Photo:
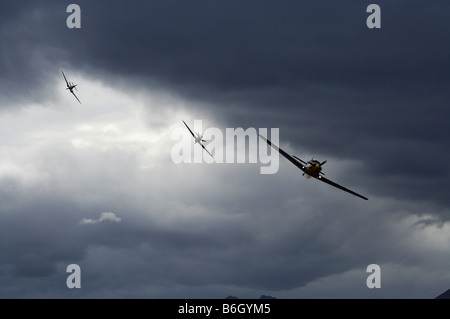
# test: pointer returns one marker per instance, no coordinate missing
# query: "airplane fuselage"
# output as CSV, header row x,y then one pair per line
x,y
199,139
313,169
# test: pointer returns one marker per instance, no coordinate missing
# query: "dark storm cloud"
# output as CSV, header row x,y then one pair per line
x,y
251,232
237,45
374,101
314,70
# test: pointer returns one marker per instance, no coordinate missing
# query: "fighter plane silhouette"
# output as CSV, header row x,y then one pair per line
x,y
312,168
71,86
198,139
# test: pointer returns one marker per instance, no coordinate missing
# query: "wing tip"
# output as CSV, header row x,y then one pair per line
x,y
362,197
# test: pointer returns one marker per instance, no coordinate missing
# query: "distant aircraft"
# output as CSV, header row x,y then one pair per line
x,y
198,139
312,168
71,86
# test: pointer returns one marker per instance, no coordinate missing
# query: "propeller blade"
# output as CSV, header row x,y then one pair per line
x,y
323,162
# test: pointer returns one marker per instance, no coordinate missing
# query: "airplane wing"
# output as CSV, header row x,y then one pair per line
x,y
303,168
325,180
76,97
300,159
189,129
289,157
65,78
206,149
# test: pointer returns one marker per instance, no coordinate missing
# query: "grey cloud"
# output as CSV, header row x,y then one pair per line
x,y
372,102
108,216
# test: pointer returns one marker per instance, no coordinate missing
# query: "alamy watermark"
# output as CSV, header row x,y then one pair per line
x,y
374,279
235,145
373,21
74,279
73,21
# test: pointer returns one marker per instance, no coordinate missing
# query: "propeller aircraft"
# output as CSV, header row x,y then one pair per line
x,y
198,139
71,86
312,168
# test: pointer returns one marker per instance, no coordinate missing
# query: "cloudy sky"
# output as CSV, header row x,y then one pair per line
x,y
95,184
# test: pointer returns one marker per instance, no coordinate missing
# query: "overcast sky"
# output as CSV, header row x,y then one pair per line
x,y
95,184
